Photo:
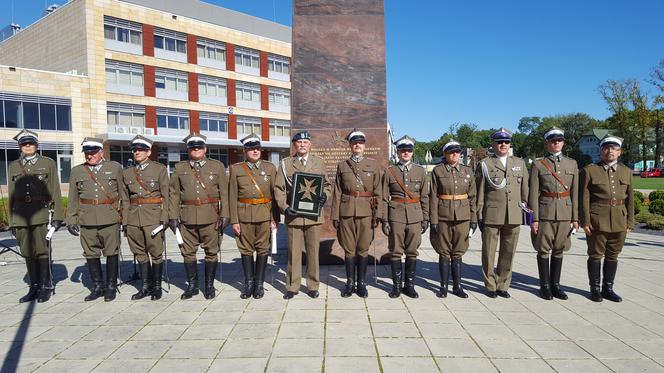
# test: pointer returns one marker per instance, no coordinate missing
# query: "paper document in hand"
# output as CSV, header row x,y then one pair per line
x,y
273,239
178,236
157,230
49,234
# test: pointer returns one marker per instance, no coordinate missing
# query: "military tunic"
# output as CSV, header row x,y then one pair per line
x,y
198,199
357,188
96,199
303,231
147,187
500,210
452,204
405,209
554,205
252,209
34,188
607,207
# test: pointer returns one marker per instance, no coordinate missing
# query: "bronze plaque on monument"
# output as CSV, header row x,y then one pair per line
x,y
338,83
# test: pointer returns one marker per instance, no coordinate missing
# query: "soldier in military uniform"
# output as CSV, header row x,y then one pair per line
x,y
96,199
147,187
553,197
356,211
303,231
607,215
34,192
502,188
254,213
406,216
453,215
199,208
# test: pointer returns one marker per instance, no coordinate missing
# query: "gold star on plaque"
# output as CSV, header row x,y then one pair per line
x,y
307,189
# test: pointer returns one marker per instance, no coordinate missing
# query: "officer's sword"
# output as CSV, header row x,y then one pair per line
x,y
49,235
155,232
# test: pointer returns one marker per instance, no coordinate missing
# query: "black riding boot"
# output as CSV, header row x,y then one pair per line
x,y
45,288
362,276
349,289
192,289
544,279
111,278
609,274
409,282
261,265
94,267
248,268
594,268
146,286
157,270
209,291
396,279
457,289
556,268
33,278
444,269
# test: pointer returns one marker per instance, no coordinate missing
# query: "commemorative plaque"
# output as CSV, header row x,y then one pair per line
x,y
307,189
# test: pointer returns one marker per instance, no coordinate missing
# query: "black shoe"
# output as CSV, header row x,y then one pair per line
x,y
491,294
349,289
556,268
409,283
396,279
45,287
544,279
457,289
111,278
313,294
157,270
146,286
261,265
94,267
191,272
289,295
503,293
361,290
33,277
248,268
444,269
609,274
594,269
209,292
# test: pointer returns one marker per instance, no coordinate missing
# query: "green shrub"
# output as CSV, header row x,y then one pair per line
x,y
643,216
637,206
656,195
638,195
656,223
657,207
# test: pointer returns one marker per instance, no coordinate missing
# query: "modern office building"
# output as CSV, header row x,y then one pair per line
x,y
161,68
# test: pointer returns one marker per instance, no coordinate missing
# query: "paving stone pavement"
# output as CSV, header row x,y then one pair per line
x,y
332,334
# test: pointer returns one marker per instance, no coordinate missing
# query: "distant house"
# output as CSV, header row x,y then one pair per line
x,y
589,142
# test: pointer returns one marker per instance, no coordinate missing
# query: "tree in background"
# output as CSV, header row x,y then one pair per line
x,y
657,80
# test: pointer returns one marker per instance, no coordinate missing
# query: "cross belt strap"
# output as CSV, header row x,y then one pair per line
x,y
452,197
405,200
139,180
198,202
401,184
565,194
105,201
146,201
255,201
553,173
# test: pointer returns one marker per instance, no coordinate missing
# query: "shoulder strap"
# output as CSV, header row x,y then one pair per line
x,y
401,184
283,169
140,180
94,180
253,180
357,177
553,173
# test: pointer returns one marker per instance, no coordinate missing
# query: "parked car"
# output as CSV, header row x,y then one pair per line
x,y
653,172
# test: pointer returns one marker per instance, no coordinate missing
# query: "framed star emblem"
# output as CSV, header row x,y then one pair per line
x,y
307,189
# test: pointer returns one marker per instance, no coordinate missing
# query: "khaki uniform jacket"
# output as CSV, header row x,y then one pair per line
x,y
283,187
445,180
598,189
502,206
186,187
415,180
81,185
346,205
541,180
241,186
155,178
38,179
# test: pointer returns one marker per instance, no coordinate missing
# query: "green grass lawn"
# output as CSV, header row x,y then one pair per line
x,y
648,183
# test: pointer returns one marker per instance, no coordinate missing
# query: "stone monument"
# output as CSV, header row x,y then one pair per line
x,y
338,83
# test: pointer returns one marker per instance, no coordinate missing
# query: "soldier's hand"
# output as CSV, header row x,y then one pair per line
x,y
480,224
434,228
123,229
335,224
57,224
386,228
74,229
290,212
322,199
224,223
588,230
274,225
13,230
575,225
173,224
534,227
425,225
374,222
473,227
236,229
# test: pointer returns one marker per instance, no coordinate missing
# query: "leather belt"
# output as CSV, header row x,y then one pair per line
x,y
255,201
146,201
564,194
198,202
30,199
405,200
359,194
103,201
609,202
452,197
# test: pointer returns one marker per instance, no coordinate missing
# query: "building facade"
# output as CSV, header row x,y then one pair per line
x,y
161,68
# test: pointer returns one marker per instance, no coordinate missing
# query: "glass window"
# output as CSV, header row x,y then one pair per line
x,y
181,85
161,121
170,44
173,122
123,34
112,118
160,82
110,76
181,46
124,77
109,32
3,167
200,51
159,42
135,38
12,113
137,79
125,119
63,115
47,116
138,120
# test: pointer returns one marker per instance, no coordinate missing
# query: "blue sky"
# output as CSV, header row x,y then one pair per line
x,y
489,62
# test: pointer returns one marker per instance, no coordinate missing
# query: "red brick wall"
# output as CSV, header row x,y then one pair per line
x,y
265,103
263,63
230,94
232,127
230,57
194,121
265,129
192,52
154,155
148,80
148,40
151,118
193,87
